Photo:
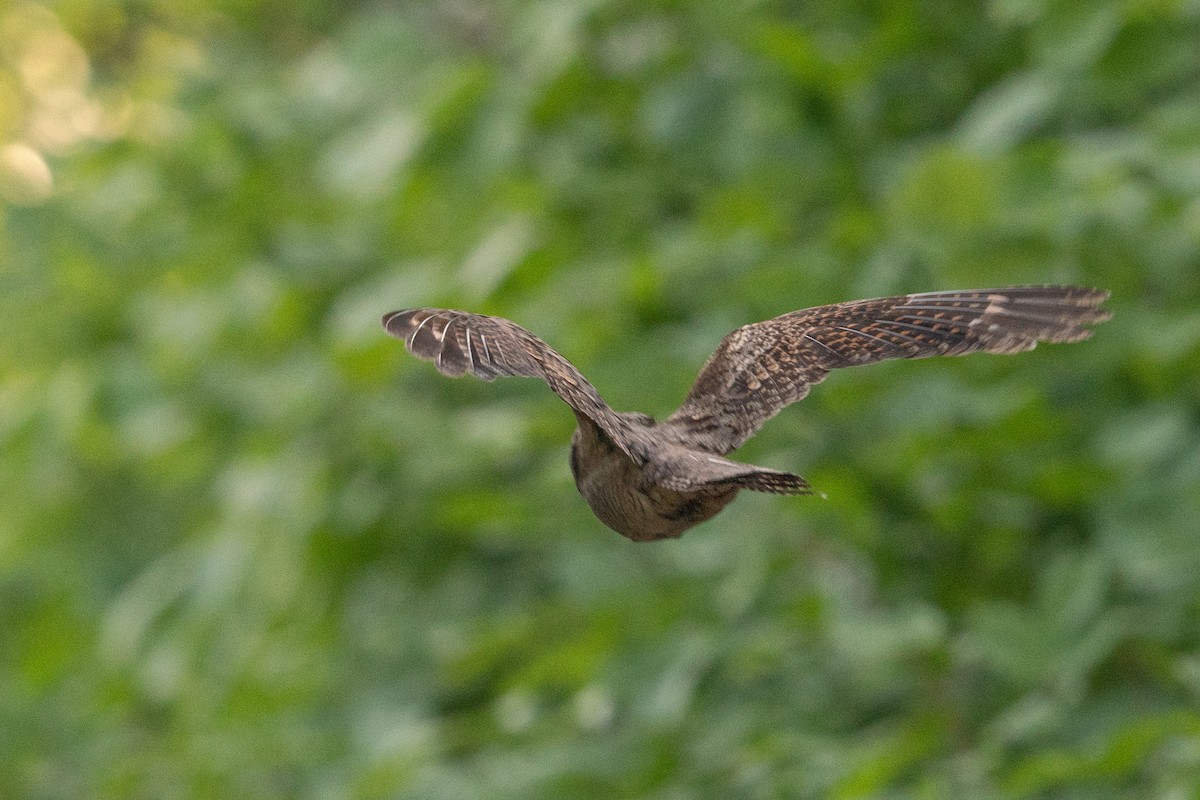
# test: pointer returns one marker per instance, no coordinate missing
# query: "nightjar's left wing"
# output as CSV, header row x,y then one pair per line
x,y
761,368
458,342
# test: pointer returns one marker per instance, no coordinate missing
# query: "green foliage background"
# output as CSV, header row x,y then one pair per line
x,y
249,548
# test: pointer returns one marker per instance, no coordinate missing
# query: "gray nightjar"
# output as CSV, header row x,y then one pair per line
x,y
652,480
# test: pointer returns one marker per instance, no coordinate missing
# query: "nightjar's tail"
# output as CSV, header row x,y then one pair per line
x,y
682,469
774,482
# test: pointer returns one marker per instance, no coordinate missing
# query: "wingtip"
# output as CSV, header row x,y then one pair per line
x,y
387,319
1093,297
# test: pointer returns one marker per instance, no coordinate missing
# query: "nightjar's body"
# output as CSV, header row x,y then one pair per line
x,y
652,480
621,496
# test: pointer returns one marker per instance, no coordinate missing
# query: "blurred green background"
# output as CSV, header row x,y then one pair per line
x,y
250,548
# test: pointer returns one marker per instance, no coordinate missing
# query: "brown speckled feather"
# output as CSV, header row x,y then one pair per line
x,y
458,342
761,368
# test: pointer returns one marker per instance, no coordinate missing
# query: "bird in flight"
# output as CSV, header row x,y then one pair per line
x,y
651,480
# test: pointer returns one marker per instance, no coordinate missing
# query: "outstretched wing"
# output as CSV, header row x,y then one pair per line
x,y
758,369
458,342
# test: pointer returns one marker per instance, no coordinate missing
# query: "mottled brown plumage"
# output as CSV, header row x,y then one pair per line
x,y
654,480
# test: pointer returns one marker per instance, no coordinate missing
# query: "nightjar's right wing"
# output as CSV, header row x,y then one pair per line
x,y
458,342
761,368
